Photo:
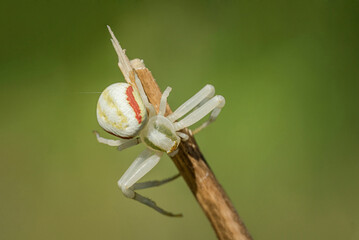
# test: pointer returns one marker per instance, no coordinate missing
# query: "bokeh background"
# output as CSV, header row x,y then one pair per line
x,y
285,147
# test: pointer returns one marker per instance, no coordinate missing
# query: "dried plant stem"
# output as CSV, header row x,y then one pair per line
x,y
198,175
190,161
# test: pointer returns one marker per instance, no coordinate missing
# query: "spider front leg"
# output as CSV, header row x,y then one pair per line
x,y
142,165
163,103
198,99
206,104
219,104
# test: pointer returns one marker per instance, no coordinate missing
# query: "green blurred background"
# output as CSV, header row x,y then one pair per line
x,y
285,147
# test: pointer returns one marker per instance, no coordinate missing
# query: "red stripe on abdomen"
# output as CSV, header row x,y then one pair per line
x,y
132,101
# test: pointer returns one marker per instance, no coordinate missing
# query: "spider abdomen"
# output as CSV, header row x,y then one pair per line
x,y
120,110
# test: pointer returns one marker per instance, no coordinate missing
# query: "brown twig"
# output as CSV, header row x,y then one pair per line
x,y
198,175
190,162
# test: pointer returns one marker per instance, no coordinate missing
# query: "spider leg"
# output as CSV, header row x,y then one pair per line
x,y
174,153
213,105
143,95
211,119
155,183
163,102
142,165
153,205
203,95
121,144
183,136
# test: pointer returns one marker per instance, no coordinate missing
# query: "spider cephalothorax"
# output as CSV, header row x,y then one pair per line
x,y
124,111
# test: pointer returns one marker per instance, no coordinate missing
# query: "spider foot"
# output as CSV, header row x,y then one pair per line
x,y
153,205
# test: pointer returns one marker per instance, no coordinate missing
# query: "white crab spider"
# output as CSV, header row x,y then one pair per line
x,y
126,113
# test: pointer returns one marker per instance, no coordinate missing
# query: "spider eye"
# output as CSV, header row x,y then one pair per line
x,y
120,110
